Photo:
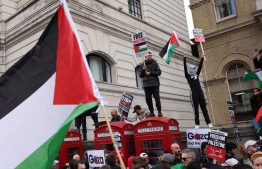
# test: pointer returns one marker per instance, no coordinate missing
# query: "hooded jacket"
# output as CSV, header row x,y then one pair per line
x,y
193,79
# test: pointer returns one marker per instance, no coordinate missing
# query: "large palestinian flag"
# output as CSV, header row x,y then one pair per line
x,y
254,75
42,93
173,43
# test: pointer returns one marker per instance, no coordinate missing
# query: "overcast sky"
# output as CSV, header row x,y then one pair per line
x,y
189,19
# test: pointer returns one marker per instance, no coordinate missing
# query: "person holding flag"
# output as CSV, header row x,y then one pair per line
x,y
196,94
149,71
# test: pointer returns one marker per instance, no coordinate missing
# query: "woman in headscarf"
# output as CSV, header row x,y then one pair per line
x,y
196,94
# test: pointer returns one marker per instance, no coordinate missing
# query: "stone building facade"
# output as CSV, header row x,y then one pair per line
x,y
105,28
232,30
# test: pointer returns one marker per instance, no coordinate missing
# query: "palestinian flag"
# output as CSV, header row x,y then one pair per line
x,y
254,75
172,44
258,119
42,93
140,47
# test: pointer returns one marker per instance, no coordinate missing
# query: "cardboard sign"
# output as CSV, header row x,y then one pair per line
x,y
233,120
216,145
125,103
198,35
118,140
215,153
196,137
139,43
96,158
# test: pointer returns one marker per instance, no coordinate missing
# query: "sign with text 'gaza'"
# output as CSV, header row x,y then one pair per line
x,y
196,137
139,43
96,158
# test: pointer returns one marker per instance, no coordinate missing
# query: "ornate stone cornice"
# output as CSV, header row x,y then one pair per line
x,y
258,15
198,4
214,82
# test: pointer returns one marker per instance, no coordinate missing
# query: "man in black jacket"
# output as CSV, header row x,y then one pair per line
x,y
196,94
150,71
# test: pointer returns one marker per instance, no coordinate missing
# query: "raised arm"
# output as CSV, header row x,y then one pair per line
x,y
185,67
200,66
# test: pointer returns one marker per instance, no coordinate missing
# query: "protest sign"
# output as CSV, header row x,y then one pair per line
x,y
196,137
125,103
139,43
198,35
233,120
118,139
96,158
216,145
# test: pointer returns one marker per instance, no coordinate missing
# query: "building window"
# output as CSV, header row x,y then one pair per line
x,y
240,90
139,81
135,8
100,68
224,8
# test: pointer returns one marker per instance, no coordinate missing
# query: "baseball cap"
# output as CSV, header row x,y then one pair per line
x,y
160,152
230,162
250,143
143,154
137,107
167,157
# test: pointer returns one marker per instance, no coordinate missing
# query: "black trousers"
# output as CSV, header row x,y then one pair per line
x,y
149,91
197,98
81,120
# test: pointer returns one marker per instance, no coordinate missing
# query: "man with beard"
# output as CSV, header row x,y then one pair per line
x,y
231,149
149,71
175,148
196,94
140,114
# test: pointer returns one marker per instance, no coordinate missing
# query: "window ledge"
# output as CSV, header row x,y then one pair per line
x,y
226,18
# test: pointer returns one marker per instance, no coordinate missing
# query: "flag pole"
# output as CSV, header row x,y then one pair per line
x,y
203,50
113,140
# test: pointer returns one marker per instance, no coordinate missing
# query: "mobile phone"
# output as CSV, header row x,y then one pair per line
x,y
256,50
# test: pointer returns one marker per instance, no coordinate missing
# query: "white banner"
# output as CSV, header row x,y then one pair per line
x,y
195,137
96,158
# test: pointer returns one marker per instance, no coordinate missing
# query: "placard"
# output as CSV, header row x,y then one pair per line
x,y
125,103
118,140
216,145
198,35
139,43
96,158
233,120
196,137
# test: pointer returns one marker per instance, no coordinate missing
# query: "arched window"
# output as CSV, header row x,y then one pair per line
x,y
139,81
100,68
240,90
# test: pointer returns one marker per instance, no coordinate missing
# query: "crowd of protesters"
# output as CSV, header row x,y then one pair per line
x,y
251,158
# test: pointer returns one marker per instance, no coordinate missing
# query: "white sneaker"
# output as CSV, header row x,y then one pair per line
x,y
196,126
210,125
